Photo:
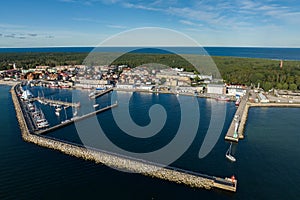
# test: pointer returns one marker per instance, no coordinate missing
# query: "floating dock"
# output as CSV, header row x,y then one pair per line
x,y
121,162
99,94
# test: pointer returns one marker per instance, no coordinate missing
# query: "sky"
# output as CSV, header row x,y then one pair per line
x,y
35,23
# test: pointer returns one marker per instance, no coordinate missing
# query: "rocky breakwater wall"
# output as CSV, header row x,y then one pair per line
x,y
108,159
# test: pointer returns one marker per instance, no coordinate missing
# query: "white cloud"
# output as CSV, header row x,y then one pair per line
x,y
85,19
142,7
187,22
117,26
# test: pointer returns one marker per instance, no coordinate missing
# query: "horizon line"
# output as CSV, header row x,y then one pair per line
x,y
83,46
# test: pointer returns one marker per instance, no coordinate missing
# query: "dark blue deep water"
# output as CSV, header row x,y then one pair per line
x,y
267,166
247,52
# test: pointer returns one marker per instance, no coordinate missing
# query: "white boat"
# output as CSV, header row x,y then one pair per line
x,y
66,117
30,107
96,105
57,113
43,124
58,108
92,94
40,120
75,113
228,155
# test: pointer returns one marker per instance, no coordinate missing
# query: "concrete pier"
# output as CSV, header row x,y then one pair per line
x,y
57,102
44,131
242,113
172,174
101,93
233,133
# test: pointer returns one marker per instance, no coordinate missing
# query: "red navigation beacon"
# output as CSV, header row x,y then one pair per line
x,y
232,178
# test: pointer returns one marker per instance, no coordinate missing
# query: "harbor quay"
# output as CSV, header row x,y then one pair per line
x,y
150,169
236,128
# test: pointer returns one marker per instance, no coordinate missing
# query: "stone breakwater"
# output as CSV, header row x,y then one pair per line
x,y
111,160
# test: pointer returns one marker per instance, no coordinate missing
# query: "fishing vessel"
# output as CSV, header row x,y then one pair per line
x,y
228,154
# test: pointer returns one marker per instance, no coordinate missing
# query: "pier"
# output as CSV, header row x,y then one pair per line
x,y
241,116
236,127
75,119
99,94
121,162
56,102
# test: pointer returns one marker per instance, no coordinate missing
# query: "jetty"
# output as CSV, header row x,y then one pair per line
x,y
56,102
150,169
99,94
74,119
235,133
236,128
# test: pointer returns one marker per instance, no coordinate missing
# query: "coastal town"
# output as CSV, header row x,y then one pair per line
x,y
143,79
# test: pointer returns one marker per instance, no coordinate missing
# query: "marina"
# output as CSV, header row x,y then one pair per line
x,y
271,129
144,167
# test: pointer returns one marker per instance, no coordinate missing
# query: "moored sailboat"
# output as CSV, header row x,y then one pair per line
x,y
228,155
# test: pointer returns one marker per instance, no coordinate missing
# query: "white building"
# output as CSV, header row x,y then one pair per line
x,y
263,98
125,86
236,90
216,89
145,87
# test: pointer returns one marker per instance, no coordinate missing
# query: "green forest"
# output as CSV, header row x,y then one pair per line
x,y
232,69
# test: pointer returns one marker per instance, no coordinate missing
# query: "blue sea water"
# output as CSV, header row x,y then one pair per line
x,y
267,159
247,52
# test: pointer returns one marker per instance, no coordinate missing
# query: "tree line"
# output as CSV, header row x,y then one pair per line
x,y
265,72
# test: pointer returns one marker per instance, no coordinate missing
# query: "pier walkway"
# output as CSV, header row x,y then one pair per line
x,y
99,94
236,127
57,102
74,119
